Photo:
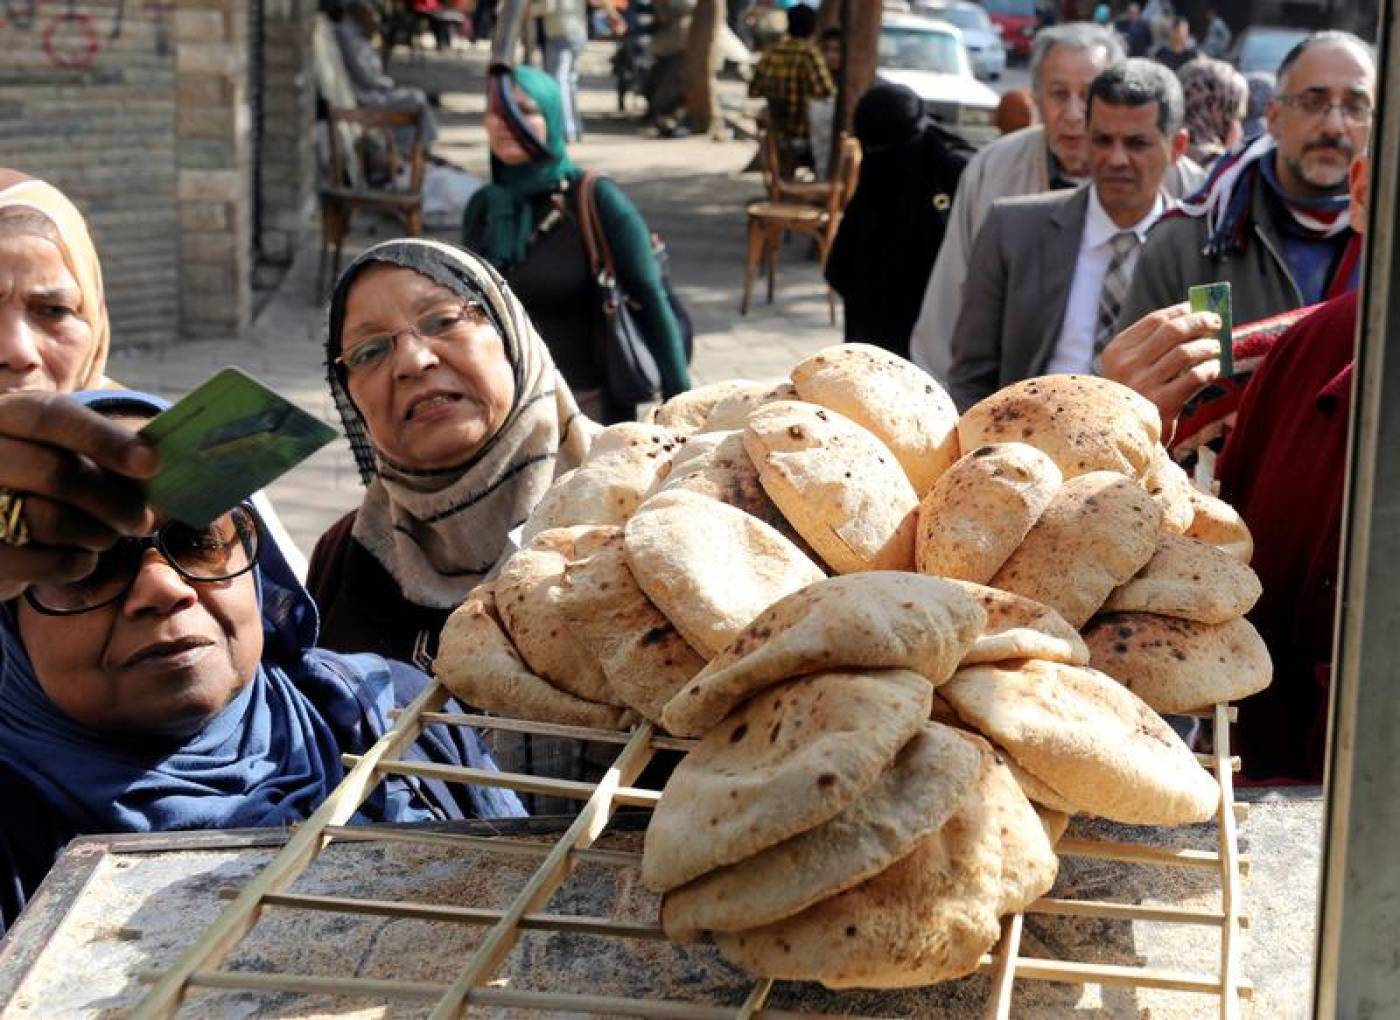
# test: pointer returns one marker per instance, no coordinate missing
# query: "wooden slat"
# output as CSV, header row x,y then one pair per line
x,y
517,781
753,1005
1031,968
1229,874
1211,762
492,844
1164,914
586,828
239,916
509,998
1004,968
1141,853
540,729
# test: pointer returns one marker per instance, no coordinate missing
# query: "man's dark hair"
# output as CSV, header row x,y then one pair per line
x,y
802,21
1332,35
1137,82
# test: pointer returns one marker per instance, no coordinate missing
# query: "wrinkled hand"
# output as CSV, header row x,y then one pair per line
x,y
77,472
1166,356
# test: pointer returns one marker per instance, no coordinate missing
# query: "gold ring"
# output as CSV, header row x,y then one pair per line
x,y
13,529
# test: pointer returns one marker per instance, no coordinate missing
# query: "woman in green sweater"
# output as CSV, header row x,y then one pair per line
x,y
526,224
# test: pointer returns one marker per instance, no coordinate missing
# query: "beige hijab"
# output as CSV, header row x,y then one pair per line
x,y
441,533
79,255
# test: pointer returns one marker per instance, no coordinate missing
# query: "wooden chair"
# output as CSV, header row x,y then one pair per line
x,y
770,221
780,188
345,182
349,186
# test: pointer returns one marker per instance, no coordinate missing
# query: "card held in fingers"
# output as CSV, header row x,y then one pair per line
x,y
225,441
1215,297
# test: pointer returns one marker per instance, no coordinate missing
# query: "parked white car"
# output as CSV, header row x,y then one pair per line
x,y
930,57
982,38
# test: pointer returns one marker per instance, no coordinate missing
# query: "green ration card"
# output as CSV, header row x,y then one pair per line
x,y
1215,297
225,441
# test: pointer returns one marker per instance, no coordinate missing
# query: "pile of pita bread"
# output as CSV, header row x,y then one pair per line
x,y
909,645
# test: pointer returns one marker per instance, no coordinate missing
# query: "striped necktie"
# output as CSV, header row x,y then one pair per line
x,y
1114,290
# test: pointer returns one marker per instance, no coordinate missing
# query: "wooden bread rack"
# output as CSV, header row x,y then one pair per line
x,y
476,984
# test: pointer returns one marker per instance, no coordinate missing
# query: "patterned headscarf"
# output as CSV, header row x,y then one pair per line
x,y
79,255
440,533
1216,97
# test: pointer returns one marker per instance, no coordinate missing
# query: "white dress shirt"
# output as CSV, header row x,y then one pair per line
x,y
1074,349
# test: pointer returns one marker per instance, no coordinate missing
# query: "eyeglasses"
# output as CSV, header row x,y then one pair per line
x,y
225,549
1355,109
442,324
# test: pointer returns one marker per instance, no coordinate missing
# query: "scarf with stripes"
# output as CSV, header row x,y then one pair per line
x,y
1226,201
441,533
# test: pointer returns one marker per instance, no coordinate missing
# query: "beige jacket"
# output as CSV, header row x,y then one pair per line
x,y
1016,164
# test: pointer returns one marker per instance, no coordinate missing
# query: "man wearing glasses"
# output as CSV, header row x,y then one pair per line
x,y
1272,220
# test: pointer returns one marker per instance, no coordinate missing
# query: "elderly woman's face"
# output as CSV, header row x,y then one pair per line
x,y
164,659
44,341
433,401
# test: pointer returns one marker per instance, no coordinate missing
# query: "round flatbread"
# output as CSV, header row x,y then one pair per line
x,y
634,440
1085,423
900,403
1189,579
711,568
929,778
478,664
838,485
1019,628
928,917
605,491
790,759
1037,792
526,593
686,412
1098,531
1179,665
1089,739
720,468
640,651
980,509
1167,483
865,621
732,412
1217,523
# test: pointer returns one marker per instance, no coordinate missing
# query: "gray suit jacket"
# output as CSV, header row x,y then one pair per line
x,y
1014,297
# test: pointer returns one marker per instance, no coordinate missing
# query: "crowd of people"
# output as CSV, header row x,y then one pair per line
x,y
156,676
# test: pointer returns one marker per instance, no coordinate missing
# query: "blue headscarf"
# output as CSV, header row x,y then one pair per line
x,y
268,759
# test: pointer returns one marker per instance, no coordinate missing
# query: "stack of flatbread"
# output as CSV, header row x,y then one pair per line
x,y
909,646
824,827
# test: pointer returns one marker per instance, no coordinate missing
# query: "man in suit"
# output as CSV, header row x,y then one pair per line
x,y
1049,272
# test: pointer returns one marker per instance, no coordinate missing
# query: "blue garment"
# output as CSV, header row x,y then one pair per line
x,y
269,759
1311,258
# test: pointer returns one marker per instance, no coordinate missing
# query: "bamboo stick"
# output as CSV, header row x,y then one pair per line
x,y
1141,853
1032,968
491,844
1004,968
517,781
1229,874
587,827
1125,911
1211,762
239,916
753,1005
510,998
540,729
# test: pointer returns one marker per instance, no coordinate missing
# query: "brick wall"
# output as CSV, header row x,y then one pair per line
x,y
138,110
95,116
289,110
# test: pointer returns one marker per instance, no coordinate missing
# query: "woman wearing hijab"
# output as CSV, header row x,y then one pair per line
x,y
68,477
1217,97
894,224
526,224
179,686
459,422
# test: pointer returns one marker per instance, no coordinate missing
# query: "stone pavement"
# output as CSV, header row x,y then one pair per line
x,y
692,191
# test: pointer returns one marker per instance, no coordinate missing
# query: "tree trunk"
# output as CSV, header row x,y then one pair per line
x,y
862,53
701,55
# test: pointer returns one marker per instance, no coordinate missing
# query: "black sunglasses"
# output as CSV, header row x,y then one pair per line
x,y
221,551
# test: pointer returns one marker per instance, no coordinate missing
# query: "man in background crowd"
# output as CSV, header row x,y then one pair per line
x,y
1136,32
1049,271
789,74
1218,35
1180,48
1274,219
1053,154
